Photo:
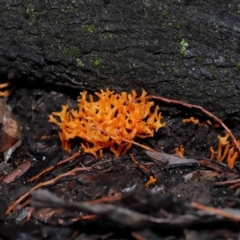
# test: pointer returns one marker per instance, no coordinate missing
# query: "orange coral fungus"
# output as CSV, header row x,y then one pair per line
x,y
211,153
179,151
195,121
113,121
191,119
229,152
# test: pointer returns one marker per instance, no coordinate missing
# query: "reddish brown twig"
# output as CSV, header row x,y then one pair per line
x,y
216,211
105,199
234,186
137,236
219,121
233,181
42,184
139,145
126,140
52,167
142,168
87,217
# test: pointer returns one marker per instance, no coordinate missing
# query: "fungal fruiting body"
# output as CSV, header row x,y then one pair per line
x,y
179,151
113,121
196,121
225,151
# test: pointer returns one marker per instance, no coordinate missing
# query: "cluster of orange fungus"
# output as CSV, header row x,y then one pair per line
x,y
179,151
112,121
195,121
225,151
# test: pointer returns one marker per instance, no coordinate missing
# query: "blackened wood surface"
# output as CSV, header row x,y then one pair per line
x,y
186,50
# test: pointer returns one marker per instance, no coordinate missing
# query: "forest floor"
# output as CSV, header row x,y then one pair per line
x,y
188,200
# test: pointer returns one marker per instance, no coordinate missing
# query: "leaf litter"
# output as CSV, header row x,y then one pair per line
x,y
109,194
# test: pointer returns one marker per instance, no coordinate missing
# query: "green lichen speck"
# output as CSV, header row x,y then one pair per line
x,y
184,45
96,63
79,63
238,66
90,28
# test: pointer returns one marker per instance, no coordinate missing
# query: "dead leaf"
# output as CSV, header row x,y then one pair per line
x,y
11,134
17,172
208,174
168,159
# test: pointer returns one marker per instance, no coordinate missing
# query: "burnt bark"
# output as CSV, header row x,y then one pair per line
x,y
185,50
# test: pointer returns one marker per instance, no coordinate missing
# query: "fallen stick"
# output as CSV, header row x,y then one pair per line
x,y
218,120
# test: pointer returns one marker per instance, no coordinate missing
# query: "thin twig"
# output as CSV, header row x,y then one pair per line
x,y
216,211
105,199
52,167
42,184
218,120
234,186
234,181
126,140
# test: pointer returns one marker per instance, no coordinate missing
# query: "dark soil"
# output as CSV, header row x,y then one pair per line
x,y
115,177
